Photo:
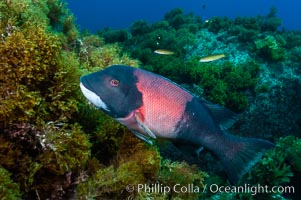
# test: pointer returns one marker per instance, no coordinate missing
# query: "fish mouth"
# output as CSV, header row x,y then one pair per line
x,y
92,96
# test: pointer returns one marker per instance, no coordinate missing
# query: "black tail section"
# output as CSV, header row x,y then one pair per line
x,y
239,154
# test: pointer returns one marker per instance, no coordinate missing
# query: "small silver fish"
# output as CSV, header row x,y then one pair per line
x,y
164,52
212,57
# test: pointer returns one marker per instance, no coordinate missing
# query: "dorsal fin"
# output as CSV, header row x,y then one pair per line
x,y
224,117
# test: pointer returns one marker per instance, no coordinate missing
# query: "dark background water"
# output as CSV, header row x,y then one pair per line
x,y
117,14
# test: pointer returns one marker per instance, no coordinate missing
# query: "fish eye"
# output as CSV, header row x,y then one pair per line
x,y
114,82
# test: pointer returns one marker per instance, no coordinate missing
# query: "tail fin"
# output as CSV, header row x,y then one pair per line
x,y
240,154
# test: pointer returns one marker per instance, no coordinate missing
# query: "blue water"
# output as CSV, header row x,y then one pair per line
x,y
117,14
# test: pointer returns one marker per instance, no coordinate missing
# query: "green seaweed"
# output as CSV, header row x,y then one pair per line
x,y
278,166
180,175
8,188
38,80
135,163
270,49
226,84
61,150
96,56
140,164
64,149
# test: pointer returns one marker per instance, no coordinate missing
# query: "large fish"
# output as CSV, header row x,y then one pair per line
x,y
152,106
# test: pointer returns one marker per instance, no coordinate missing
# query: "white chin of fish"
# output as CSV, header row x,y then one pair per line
x,y
93,98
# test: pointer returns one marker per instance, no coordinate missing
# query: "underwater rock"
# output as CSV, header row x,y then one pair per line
x,y
274,112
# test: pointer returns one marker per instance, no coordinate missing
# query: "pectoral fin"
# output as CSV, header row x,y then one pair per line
x,y
199,150
135,123
143,137
146,130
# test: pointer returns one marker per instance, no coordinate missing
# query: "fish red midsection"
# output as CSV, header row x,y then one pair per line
x,y
163,103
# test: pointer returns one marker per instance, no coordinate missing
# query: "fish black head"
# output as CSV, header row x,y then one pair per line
x,y
113,90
